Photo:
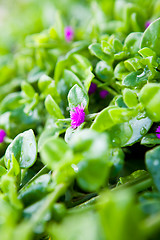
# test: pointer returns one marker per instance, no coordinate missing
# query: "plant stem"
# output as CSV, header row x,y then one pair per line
x,y
110,90
42,171
67,120
50,200
137,185
91,116
106,87
25,228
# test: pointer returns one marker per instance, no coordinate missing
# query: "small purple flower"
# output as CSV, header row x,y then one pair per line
x,y
103,93
69,33
77,116
147,24
92,88
2,135
158,132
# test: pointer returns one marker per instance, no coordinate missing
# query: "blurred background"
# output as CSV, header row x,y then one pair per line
x,y
19,18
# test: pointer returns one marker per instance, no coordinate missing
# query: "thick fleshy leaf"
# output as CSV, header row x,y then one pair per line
x,y
53,151
77,96
153,165
149,97
53,108
24,149
151,37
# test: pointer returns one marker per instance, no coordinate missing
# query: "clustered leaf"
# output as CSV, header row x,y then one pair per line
x,y
80,120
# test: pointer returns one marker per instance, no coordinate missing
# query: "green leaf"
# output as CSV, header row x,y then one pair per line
x,y
150,140
150,202
139,125
127,133
36,190
53,108
130,97
111,116
147,52
71,79
152,161
28,89
149,97
3,171
10,102
117,158
104,72
120,71
135,79
50,131
95,49
77,96
35,74
133,64
103,120
116,208
47,86
132,176
8,187
14,169
83,68
53,151
151,37
92,174
119,115
93,170
23,148
119,101
132,43
90,226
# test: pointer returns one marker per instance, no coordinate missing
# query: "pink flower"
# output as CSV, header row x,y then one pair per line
x,y
2,135
69,33
77,116
147,24
103,93
158,132
92,88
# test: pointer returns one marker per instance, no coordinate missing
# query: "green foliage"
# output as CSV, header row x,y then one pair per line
x,y
149,96
150,37
23,148
152,163
100,180
77,96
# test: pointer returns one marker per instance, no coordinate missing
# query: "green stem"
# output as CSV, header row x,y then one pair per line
x,y
67,120
8,140
50,200
25,228
87,118
137,185
91,116
42,171
106,87
110,90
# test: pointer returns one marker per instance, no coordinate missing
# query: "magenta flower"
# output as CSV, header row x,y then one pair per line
x,y
103,93
69,33
2,135
147,24
158,132
77,116
92,88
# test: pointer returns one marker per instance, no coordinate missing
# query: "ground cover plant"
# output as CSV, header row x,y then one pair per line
x,y
80,120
